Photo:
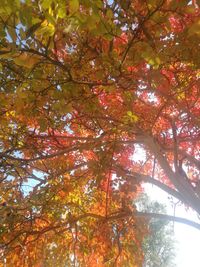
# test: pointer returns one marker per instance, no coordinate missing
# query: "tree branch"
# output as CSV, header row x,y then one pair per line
x,y
148,179
180,183
168,218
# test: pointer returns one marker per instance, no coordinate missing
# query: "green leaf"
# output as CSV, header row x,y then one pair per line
x,y
46,4
99,3
25,60
32,29
109,14
149,55
61,12
73,6
154,61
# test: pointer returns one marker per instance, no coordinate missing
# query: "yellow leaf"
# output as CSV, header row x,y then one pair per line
x,y
46,28
132,116
10,113
181,96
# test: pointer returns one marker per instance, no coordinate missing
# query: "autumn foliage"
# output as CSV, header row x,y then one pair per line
x,y
86,85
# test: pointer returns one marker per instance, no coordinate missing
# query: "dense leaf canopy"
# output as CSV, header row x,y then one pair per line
x,y
86,85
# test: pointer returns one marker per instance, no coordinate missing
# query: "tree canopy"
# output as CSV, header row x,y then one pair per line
x,y
85,85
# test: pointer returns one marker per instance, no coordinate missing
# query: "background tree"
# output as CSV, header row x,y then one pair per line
x,y
83,84
159,246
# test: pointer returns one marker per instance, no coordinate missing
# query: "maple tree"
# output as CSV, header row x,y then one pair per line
x,y
84,85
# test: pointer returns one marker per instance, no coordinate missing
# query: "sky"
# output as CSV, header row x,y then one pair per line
x,y
187,237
